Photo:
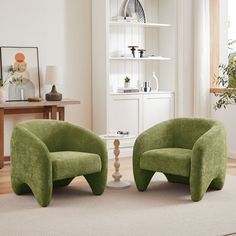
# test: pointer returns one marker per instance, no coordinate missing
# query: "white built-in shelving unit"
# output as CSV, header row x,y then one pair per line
x,y
112,61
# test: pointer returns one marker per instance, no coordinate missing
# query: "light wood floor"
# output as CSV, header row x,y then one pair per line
x,y
125,169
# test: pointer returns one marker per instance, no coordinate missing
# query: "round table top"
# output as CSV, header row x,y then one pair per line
x,y
116,136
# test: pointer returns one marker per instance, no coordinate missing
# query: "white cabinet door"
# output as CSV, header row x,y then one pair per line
x,y
125,113
157,108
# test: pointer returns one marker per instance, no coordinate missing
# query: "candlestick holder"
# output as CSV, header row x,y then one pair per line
x,y
141,52
133,49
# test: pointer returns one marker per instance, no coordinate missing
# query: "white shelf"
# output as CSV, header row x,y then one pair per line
x,y
125,23
146,93
159,58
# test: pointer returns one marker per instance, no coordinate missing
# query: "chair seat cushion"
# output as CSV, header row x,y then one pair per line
x,y
176,161
70,164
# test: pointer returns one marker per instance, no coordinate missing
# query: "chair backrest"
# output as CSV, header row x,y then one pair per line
x,y
188,130
52,133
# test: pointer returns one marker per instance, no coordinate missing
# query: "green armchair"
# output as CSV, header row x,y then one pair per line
x,y
47,153
186,150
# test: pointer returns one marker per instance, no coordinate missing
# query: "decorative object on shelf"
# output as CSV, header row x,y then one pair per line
x,y
116,133
141,52
128,90
117,53
132,9
133,49
154,82
146,87
35,99
127,82
19,72
52,77
123,132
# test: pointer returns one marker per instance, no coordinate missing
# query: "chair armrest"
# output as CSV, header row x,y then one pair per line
x,y
158,136
29,156
210,152
83,140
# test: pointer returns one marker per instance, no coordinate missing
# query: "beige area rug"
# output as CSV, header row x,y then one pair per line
x,y
164,209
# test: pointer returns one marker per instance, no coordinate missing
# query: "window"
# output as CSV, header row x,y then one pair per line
x,y
223,34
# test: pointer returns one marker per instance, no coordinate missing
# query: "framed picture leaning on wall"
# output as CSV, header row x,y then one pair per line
x,y
19,72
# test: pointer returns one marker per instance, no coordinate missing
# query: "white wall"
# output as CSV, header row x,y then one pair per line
x,y
62,31
188,59
184,96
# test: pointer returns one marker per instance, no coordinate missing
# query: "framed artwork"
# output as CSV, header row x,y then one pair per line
x,y
19,72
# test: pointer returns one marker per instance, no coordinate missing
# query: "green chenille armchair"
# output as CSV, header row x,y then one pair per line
x,y
47,154
186,150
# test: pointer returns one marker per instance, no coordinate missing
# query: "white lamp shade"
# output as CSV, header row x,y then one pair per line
x,y
52,75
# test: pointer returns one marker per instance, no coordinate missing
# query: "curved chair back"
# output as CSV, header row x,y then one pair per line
x,y
52,133
188,130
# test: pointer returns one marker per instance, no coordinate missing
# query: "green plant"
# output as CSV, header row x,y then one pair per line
x,y
11,78
10,73
227,79
231,42
127,79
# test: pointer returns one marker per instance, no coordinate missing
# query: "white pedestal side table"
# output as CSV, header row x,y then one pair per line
x,y
117,183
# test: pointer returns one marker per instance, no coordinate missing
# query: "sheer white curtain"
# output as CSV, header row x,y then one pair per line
x,y
202,103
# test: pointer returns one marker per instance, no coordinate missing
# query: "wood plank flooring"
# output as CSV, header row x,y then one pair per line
x,y
125,169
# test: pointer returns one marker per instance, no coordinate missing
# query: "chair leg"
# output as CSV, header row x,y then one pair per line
x,y
198,187
218,182
42,193
97,182
142,179
19,187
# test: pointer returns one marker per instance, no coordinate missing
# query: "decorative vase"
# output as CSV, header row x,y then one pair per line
x,y
132,9
127,85
154,82
2,95
146,87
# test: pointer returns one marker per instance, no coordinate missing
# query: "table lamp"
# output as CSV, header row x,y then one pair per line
x,y
51,78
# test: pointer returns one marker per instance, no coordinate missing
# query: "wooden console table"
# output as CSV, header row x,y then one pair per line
x,y
47,108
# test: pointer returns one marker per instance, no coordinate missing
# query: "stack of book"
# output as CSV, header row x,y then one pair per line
x,y
128,90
